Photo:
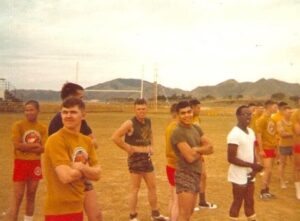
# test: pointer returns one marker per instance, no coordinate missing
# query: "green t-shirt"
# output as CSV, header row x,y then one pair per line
x,y
190,135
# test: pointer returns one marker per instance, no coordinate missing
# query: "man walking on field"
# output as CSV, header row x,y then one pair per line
x,y
189,144
138,143
243,166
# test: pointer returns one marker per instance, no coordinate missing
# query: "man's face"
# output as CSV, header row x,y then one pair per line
x,y
72,117
140,111
185,115
244,117
31,113
259,110
273,108
196,109
287,113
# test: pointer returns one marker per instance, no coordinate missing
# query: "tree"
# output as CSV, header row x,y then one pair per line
x,y
278,96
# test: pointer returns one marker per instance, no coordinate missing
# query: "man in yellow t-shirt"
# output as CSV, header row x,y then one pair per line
x,y
196,107
267,144
28,137
285,132
69,159
171,164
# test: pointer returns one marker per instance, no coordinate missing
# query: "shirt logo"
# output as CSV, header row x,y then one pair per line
x,y
271,128
31,136
80,155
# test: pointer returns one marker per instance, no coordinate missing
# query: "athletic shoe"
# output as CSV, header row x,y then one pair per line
x,y
267,196
160,218
207,205
134,219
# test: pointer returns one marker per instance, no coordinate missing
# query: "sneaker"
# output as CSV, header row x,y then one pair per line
x,y
267,196
208,205
133,217
160,218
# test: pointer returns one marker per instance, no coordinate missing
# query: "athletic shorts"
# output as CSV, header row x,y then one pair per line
x,y
171,175
297,148
187,181
65,217
270,153
88,185
286,151
27,170
140,163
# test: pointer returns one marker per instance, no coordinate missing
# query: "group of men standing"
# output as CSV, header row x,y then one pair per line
x,y
70,161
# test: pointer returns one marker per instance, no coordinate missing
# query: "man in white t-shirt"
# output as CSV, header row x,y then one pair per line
x,y
243,166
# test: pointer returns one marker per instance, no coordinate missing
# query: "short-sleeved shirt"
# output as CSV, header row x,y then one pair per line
x,y
63,148
296,120
245,152
191,135
267,128
288,128
56,124
24,131
196,120
253,121
170,154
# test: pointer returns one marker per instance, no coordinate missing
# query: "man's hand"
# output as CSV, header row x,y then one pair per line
x,y
257,167
78,166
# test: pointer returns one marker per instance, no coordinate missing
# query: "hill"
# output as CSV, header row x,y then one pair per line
x,y
263,88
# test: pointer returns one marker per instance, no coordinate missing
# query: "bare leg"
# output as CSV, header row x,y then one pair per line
x,y
268,164
238,192
186,203
13,212
32,186
282,165
135,186
91,207
249,200
151,185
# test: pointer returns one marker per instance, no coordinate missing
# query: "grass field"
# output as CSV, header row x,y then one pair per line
x,y
113,187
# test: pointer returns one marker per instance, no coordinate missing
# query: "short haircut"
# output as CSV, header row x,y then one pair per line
x,y
286,107
182,104
140,101
252,105
33,103
69,89
194,102
173,108
239,109
282,104
269,103
72,102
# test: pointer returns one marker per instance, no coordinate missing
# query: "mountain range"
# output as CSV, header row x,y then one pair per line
x,y
263,88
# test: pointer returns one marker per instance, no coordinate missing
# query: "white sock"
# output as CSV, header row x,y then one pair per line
x,y
28,218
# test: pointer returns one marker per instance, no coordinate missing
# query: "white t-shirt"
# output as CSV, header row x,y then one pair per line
x,y
245,152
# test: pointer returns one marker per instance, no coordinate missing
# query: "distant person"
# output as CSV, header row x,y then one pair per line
x,y
286,141
189,144
203,204
138,143
243,166
256,114
28,137
278,116
296,129
69,160
267,142
91,206
171,164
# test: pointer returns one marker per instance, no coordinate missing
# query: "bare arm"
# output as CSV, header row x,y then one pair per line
x,y
66,174
281,131
94,141
297,129
91,173
207,147
188,153
29,148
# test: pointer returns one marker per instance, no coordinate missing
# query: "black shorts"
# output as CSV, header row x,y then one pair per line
x,y
140,163
187,181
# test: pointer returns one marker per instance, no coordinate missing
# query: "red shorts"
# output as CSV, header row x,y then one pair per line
x,y
270,153
65,217
27,170
171,175
297,148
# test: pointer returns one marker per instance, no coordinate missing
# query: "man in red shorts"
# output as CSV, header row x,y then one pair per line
x,y
267,143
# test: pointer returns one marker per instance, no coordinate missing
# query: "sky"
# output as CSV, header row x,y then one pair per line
x,y
187,43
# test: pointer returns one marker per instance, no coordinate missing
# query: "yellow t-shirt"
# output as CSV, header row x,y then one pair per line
x,y
253,121
266,127
24,131
296,120
277,117
196,120
63,148
170,155
287,127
